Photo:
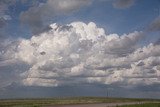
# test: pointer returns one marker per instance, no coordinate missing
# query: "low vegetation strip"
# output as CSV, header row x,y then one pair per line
x,y
64,101
142,105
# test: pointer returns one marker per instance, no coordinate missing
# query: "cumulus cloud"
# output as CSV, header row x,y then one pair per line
x,y
10,68
122,4
35,16
83,53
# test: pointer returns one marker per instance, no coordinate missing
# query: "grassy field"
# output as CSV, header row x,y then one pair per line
x,y
143,105
60,101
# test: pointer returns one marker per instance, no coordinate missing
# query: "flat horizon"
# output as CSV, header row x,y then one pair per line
x,y
59,48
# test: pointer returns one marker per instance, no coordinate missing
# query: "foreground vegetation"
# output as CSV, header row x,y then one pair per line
x,y
61,101
143,105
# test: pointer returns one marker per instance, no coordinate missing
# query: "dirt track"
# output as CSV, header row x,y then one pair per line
x,y
99,105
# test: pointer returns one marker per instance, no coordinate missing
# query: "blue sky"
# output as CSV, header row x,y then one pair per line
x,y
94,45
114,20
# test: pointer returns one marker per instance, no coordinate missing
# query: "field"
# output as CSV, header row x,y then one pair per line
x,y
66,101
143,105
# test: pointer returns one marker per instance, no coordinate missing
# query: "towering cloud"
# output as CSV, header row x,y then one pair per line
x,y
82,53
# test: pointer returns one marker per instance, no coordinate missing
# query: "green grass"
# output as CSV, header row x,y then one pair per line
x,y
63,101
143,105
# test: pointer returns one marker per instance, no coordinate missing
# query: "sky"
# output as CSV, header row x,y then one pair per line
x,y
59,48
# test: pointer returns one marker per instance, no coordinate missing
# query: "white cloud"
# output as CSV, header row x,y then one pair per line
x,y
83,53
